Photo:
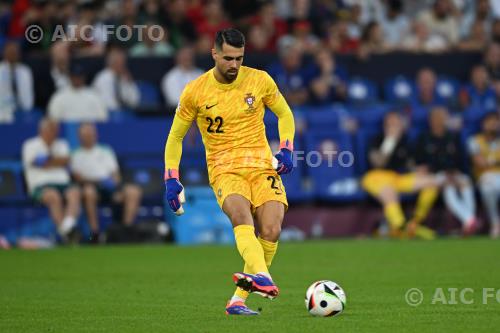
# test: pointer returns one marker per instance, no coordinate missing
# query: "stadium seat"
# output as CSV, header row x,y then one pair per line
x,y
13,137
148,174
333,178
203,222
361,92
472,117
149,95
399,90
137,137
447,90
370,117
294,183
323,120
31,116
11,182
485,100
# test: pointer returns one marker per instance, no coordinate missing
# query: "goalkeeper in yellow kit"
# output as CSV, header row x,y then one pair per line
x,y
228,104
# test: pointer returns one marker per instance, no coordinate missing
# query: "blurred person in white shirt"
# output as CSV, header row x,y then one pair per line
x,y
16,84
177,77
115,83
45,161
77,102
60,61
95,168
440,20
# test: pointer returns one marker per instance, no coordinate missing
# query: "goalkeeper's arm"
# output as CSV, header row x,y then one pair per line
x,y
173,147
173,153
286,124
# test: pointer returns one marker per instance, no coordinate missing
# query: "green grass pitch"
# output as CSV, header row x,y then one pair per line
x,y
181,289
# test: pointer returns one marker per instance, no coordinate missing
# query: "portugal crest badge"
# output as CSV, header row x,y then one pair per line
x,y
250,100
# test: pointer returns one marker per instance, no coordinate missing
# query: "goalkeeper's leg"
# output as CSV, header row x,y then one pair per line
x,y
238,208
269,218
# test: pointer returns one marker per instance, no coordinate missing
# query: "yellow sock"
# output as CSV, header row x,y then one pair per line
x,y
270,249
425,201
250,249
394,215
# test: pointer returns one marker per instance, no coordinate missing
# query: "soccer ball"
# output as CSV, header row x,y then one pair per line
x,y
325,299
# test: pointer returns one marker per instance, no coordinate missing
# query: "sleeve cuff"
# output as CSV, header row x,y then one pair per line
x,y
286,144
171,173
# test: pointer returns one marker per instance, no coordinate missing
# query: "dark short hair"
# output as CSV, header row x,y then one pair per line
x,y
229,36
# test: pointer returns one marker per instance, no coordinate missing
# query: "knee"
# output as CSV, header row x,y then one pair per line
x,y
89,192
73,194
240,217
51,197
132,192
388,194
271,232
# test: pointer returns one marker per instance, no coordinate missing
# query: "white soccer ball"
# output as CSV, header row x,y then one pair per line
x,y
325,299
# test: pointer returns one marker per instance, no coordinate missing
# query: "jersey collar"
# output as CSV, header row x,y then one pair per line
x,y
226,86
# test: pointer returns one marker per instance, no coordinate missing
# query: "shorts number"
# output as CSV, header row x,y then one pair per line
x,y
217,121
274,186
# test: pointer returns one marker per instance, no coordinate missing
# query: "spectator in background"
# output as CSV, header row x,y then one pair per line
x,y
481,15
439,151
44,15
257,39
354,23
372,41
16,84
127,17
421,39
492,60
150,12
182,73
439,20
267,22
390,157
302,36
77,102
114,83
153,44
426,87
181,29
45,161
291,75
329,83
60,62
495,31
395,24
213,20
95,168
338,39
480,92
476,40
484,149
87,41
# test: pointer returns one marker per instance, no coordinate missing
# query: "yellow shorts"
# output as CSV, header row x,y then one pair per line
x,y
257,185
376,180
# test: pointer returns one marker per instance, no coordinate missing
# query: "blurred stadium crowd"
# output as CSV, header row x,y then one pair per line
x,y
306,41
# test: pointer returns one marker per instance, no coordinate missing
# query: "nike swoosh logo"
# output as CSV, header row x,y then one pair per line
x,y
211,106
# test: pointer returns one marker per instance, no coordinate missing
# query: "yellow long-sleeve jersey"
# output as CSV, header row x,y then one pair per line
x,y
230,119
